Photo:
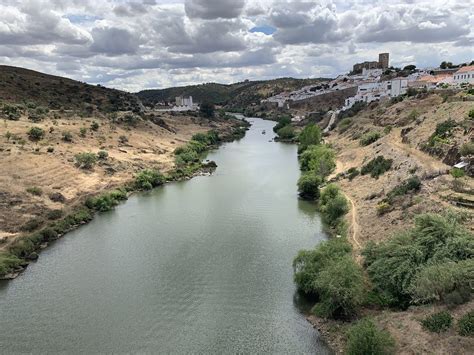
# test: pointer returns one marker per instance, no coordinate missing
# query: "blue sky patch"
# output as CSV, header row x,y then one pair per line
x,y
268,30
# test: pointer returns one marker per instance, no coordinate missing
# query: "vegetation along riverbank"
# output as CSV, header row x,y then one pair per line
x,y
396,274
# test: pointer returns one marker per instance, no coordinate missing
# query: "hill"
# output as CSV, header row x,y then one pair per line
x,y
238,95
19,85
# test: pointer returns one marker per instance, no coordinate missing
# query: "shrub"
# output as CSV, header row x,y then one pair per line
x,y
467,149
319,158
383,207
67,136
471,113
286,132
8,262
308,186
387,129
466,324
54,214
377,166
85,160
310,135
36,133
364,338
340,286
50,149
123,139
407,266
282,122
31,225
207,109
102,155
34,190
457,173
437,322
308,263
369,138
413,115
106,201
412,184
352,173
11,112
94,126
148,179
333,209
443,281
83,132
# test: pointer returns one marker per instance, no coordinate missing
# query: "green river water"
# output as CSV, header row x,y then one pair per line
x,y
201,266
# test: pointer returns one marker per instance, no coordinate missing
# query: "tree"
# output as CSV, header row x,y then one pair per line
x,y
308,186
85,160
282,122
410,67
319,158
311,135
364,338
207,109
36,133
286,132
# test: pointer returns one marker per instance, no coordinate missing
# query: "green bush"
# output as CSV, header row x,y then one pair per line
x,y
333,205
34,190
308,263
11,112
308,185
340,286
82,132
412,184
318,158
282,122
457,173
471,113
363,338
94,126
413,115
8,262
35,133
310,135
437,322
377,166
54,214
287,132
67,136
106,201
369,138
31,225
466,324
50,149
102,155
467,149
383,207
148,179
85,160
352,173
208,138
408,265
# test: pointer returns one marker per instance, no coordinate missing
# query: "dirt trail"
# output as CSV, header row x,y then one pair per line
x,y
354,227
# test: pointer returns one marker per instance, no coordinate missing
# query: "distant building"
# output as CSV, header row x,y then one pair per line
x,y
464,75
383,60
397,87
382,63
184,101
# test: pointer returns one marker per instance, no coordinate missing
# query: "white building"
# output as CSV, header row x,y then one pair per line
x,y
184,101
464,75
397,87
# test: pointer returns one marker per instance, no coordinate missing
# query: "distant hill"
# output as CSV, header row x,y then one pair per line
x,y
234,95
19,85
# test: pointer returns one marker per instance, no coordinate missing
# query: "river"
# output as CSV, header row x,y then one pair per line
x,y
201,266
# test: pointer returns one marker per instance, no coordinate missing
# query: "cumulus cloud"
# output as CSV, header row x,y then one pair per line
x,y
134,44
213,9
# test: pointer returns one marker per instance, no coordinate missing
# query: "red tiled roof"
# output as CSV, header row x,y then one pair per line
x,y
465,69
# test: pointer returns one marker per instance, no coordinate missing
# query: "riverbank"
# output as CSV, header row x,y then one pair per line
x,y
20,243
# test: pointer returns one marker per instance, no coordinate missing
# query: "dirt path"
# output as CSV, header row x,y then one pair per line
x,y
354,227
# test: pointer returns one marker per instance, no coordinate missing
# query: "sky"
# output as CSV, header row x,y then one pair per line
x,y
142,44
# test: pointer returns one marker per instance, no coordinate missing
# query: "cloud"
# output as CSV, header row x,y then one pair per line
x,y
114,41
213,9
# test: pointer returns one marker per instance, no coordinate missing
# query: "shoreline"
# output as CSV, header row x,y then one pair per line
x,y
203,168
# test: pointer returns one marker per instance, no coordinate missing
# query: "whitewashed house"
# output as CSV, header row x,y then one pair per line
x,y
397,87
464,75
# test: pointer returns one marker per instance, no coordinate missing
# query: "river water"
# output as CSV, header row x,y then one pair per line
x,y
202,266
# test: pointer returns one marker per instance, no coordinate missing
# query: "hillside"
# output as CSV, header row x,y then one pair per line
x,y
23,86
423,137
238,95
